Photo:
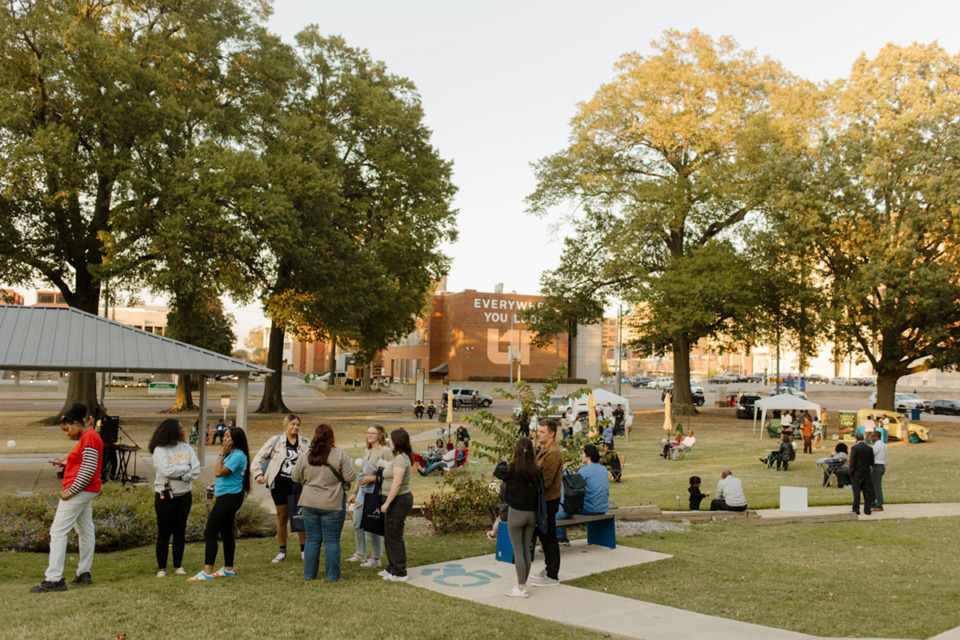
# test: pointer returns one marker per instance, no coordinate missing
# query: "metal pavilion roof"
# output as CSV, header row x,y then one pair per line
x,y
67,339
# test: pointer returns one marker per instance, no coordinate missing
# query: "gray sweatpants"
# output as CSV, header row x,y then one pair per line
x,y
521,524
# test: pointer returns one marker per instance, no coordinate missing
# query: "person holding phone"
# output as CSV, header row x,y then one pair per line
x,y
232,483
81,484
177,467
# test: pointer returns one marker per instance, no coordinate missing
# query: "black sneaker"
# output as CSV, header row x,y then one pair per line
x,y
46,587
563,542
82,579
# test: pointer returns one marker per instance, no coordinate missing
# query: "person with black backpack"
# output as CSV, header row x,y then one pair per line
x,y
586,492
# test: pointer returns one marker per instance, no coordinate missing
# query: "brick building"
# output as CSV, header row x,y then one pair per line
x,y
470,333
9,296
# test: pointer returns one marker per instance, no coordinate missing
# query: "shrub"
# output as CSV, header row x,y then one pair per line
x,y
123,518
463,505
531,380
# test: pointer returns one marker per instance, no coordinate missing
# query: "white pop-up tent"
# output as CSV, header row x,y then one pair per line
x,y
783,402
602,396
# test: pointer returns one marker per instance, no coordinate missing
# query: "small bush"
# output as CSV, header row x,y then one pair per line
x,y
123,518
463,505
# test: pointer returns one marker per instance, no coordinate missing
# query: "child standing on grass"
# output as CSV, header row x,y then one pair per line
x,y
695,496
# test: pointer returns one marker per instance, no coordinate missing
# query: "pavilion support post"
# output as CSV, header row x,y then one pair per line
x,y
202,426
243,390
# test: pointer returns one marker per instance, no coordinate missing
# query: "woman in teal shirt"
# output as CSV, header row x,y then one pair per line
x,y
231,484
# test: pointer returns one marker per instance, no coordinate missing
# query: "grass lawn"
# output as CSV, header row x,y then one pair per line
x,y
893,579
265,600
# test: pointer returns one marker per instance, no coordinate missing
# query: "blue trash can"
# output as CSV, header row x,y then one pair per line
x,y
914,414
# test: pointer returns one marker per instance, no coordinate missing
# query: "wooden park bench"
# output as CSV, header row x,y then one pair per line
x,y
601,531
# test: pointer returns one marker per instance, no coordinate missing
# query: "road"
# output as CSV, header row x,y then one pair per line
x,y
304,398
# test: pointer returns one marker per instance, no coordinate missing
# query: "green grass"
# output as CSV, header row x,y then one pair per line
x,y
893,579
265,600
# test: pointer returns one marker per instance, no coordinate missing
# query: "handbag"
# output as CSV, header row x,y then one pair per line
x,y
542,515
372,519
295,510
266,461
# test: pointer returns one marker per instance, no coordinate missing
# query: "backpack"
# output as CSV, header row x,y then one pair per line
x,y
574,492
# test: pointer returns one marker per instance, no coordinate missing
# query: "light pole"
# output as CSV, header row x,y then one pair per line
x,y
618,351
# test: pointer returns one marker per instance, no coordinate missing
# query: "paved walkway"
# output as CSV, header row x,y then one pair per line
x,y
890,512
482,579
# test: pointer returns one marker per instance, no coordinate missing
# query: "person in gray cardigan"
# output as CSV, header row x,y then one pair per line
x,y
325,473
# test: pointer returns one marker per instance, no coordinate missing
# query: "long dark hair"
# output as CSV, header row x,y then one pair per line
x,y
523,462
166,435
320,445
239,438
401,443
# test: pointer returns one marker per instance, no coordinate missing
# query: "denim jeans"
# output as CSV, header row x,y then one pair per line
x,y
323,528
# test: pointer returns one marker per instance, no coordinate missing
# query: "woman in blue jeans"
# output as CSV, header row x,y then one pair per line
x,y
325,473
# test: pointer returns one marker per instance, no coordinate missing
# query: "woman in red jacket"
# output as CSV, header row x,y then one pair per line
x,y
81,484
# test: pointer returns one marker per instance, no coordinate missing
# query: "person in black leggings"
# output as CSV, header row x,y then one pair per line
x,y
232,483
177,467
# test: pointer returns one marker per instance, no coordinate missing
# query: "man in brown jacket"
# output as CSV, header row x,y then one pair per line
x,y
550,461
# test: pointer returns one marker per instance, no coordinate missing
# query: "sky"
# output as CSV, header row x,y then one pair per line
x,y
500,81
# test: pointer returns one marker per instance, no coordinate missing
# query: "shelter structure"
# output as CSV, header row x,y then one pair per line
x,y
70,340
781,402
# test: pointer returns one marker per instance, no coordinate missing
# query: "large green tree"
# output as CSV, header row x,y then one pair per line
x,y
881,208
365,201
661,171
97,98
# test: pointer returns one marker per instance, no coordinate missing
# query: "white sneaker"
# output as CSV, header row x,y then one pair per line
x,y
301,555
180,572
371,562
517,592
383,574
357,557
546,582
392,578
162,573
280,557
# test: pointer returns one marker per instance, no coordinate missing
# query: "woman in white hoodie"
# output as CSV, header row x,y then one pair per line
x,y
177,467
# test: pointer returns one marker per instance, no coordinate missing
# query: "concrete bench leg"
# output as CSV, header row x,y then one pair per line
x,y
504,548
603,533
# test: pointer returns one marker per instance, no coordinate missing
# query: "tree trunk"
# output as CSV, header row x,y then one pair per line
x,y
184,395
886,389
367,378
272,400
682,398
333,359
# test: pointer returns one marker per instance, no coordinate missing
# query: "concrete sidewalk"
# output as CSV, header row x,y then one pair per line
x,y
890,512
484,580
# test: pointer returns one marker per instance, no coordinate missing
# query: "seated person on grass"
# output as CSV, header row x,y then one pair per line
x,y
446,462
729,495
597,498
611,460
685,445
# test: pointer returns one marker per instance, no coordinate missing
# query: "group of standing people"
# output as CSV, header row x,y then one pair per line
x,y
308,475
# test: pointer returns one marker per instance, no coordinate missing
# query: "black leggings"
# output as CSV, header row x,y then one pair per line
x,y
172,521
220,521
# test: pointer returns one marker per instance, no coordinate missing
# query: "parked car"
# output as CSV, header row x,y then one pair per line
x,y
661,383
913,431
726,378
902,402
745,404
817,378
840,381
755,377
640,381
463,395
945,407
696,394
558,406
783,389
863,382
